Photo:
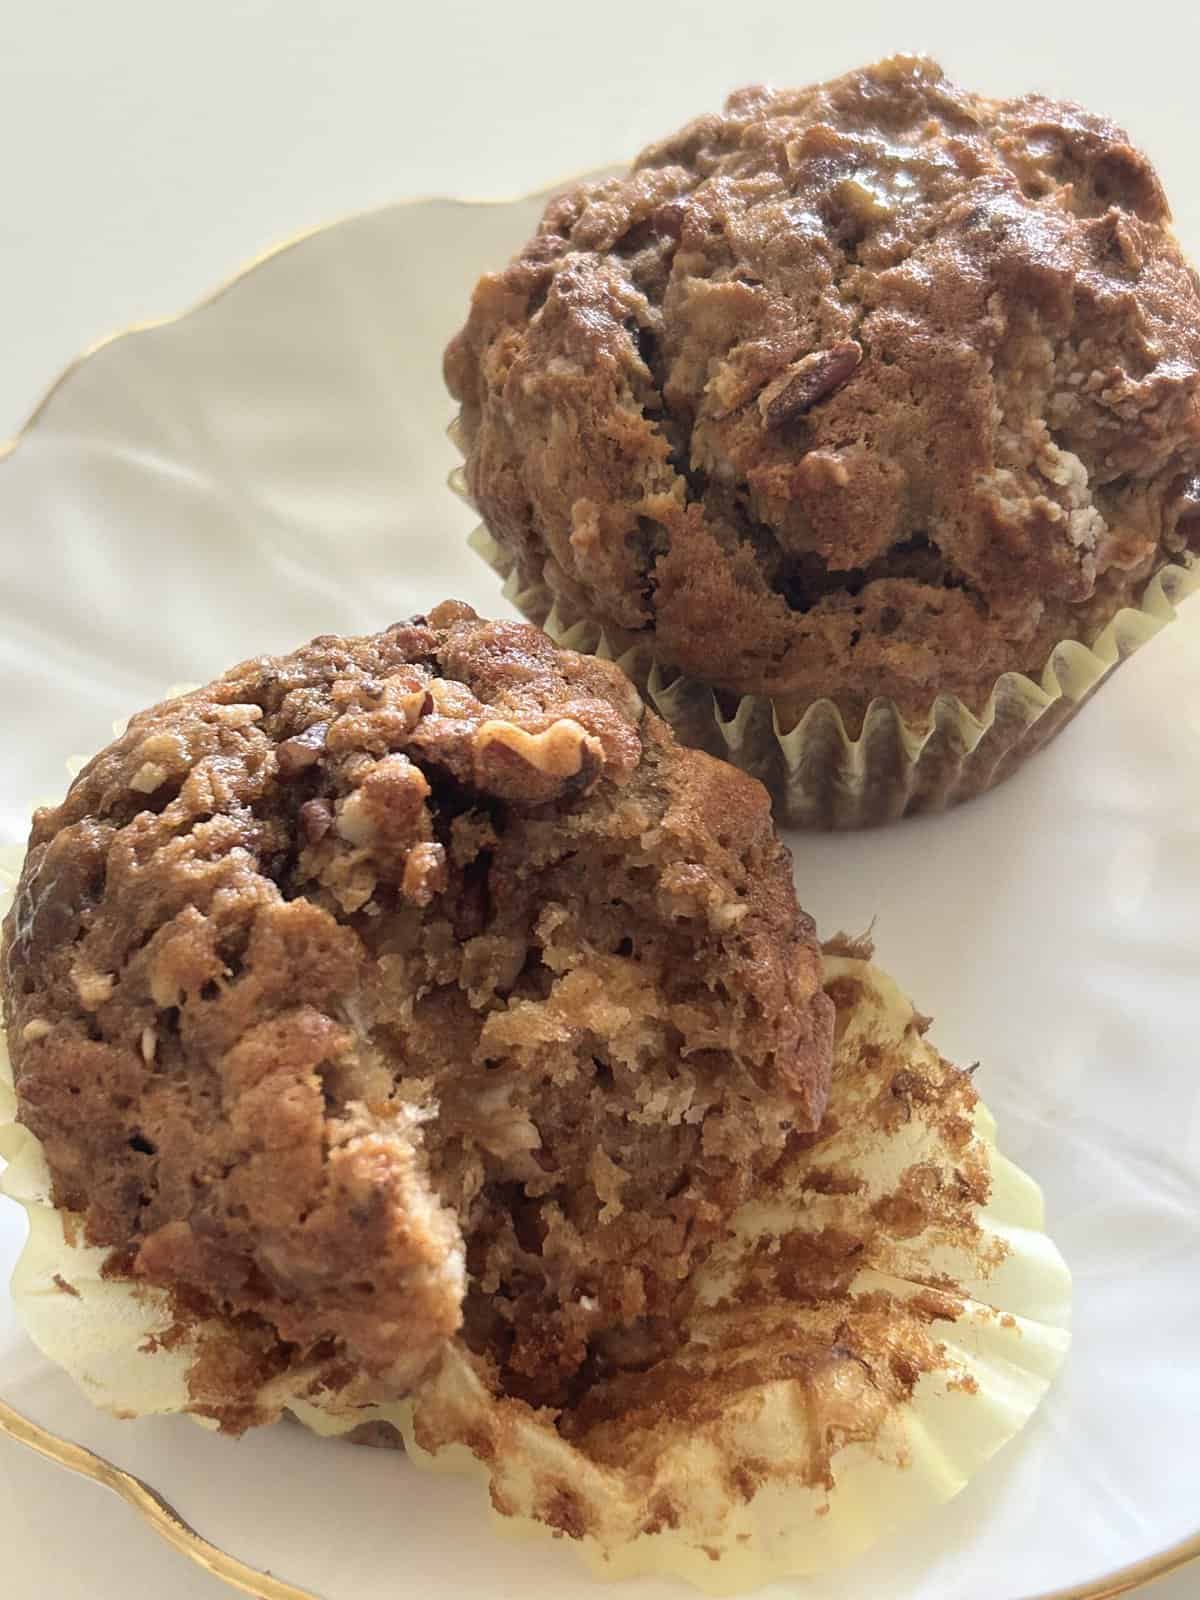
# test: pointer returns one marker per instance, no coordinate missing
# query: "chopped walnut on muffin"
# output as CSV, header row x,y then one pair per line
x,y
409,984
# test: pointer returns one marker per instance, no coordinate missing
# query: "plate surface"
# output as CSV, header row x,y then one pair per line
x,y
273,466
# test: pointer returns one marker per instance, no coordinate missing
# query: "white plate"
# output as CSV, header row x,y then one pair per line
x,y
272,466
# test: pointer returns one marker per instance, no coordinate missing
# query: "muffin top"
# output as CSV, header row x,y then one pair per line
x,y
871,388
413,983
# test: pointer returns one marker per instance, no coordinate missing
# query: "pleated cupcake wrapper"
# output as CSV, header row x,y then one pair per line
x,y
820,777
777,1440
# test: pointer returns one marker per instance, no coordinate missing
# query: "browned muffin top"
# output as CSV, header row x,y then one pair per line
x,y
876,387
409,981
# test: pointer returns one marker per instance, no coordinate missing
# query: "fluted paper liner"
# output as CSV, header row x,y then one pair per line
x,y
884,1316
818,776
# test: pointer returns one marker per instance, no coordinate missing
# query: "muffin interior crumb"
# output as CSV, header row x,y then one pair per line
x,y
412,984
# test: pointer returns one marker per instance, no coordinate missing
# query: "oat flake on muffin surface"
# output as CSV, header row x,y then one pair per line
x,y
875,388
406,985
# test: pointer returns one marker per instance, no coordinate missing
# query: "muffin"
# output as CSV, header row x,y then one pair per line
x,y
410,987
882,1314
846,408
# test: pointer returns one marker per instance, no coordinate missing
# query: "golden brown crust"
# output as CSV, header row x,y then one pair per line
x,y
875,387
409,978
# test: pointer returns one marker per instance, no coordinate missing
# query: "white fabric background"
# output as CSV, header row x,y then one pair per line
x,y
149,149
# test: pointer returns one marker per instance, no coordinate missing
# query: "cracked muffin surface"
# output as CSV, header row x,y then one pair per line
x,y
876,387
412,984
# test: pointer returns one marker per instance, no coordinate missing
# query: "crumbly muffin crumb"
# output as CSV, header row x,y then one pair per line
x,y
413,983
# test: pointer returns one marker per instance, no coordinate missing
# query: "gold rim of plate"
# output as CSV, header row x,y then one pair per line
x,y
157,1510
152,1506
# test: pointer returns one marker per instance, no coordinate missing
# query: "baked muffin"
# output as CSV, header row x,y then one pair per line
x,y
872,390
882,1314
406,985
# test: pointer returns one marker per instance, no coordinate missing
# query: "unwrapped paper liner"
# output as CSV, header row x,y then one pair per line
x,y
881,1321
818,776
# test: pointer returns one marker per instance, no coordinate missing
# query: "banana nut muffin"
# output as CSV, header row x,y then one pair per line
x,y
413,983
876,387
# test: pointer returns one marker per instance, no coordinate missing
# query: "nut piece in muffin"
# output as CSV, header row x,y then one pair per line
x,y
876,388
409,984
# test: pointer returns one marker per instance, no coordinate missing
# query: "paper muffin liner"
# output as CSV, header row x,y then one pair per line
x,y
877,1326
820,777
882,1318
